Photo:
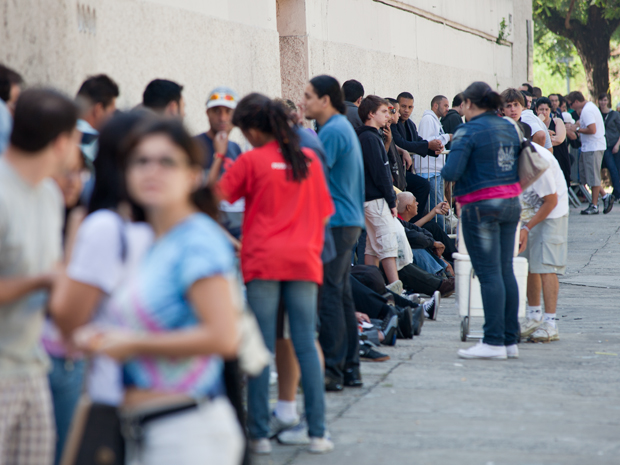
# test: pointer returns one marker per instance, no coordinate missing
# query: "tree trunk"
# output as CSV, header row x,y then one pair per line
x,y
592,43
594,54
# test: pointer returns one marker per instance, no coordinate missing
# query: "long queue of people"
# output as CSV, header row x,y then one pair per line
x,y
124,241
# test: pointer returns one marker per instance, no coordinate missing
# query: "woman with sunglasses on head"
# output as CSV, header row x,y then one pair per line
x,y
287,206
177,317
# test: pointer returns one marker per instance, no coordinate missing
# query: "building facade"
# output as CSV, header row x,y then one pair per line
x,y
426,47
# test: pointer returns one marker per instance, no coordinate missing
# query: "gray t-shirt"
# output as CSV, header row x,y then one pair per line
x,y
30,244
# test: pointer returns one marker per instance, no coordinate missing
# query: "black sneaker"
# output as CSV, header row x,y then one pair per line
x,y
591,210
405,323
608,203
431,307
418,320
368,354
388,328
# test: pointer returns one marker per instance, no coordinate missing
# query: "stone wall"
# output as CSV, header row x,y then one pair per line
x,y
426,47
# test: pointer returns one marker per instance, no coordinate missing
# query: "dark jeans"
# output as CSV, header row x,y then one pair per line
x,y
489,228
440,236
609,162
415,279
373,304
338,334
420,188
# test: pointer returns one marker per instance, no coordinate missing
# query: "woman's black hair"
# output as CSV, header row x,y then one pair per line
x,y
256,111
542,101
204,197
483,96
109,189
327,85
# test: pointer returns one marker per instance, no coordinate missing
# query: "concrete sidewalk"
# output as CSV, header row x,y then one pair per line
x,y
559,403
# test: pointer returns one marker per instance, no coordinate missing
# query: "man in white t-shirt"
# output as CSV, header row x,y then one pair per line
x,y
430,129
591,127
544,242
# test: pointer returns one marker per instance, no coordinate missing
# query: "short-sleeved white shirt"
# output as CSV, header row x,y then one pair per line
x,y
551,182
592,142
528,117
106,253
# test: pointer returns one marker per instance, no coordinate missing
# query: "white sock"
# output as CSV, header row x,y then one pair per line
x,y
550,318
533,312
287,411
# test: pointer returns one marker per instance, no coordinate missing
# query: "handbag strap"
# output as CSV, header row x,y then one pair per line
x,y
517,127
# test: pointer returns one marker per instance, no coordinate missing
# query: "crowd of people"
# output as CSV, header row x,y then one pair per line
x,y
129,250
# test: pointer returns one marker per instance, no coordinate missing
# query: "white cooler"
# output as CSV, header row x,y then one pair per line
x,y
468,296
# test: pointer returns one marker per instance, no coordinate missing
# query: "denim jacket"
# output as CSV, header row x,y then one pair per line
x,y
484,154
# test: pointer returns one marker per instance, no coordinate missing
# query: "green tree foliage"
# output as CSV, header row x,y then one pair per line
x,y
581,27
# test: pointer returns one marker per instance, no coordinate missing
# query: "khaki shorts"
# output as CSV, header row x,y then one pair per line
x,y
590,167
547,246
381,238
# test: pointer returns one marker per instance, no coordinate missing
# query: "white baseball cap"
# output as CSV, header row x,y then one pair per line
x,y
222,97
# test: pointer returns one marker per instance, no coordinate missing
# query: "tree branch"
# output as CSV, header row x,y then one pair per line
x,y
570,11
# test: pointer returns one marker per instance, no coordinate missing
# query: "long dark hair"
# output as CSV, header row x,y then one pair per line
x,y
109,190
256,111
203,198
327,85
483,96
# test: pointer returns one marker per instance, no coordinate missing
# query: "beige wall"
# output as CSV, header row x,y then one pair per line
x,y
270,46
391,50
193,42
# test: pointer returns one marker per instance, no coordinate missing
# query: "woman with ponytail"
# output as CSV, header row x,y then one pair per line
x,y
483,162
287,206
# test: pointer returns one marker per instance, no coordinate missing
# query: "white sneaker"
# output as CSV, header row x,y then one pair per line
x,y
276,425
321,445
484,351
295,436
512,351
545,333
529,327
396,287
260,446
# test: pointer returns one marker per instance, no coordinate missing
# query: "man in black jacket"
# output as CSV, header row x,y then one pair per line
x,y
405,135
454,118
353,93
380,199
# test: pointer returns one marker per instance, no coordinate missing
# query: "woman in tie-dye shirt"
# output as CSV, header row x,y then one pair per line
x,y
177,314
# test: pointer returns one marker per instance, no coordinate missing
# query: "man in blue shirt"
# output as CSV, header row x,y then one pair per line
x,y
338,336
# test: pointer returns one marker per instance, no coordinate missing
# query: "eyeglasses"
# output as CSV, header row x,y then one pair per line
x,y
217,96
392,110
166,162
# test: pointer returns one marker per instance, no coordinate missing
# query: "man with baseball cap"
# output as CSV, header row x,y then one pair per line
x,y
221,152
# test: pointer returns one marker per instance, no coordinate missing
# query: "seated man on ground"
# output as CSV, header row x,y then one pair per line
x,y
408,211
427,252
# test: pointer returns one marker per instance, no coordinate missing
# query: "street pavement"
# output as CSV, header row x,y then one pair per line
x,y
559,403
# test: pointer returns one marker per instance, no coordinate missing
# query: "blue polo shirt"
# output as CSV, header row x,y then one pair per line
x,y
346,171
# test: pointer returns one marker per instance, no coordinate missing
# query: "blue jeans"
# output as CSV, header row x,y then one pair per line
x,y
489,229
426,261
609,162
66,380
300,301
436,194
